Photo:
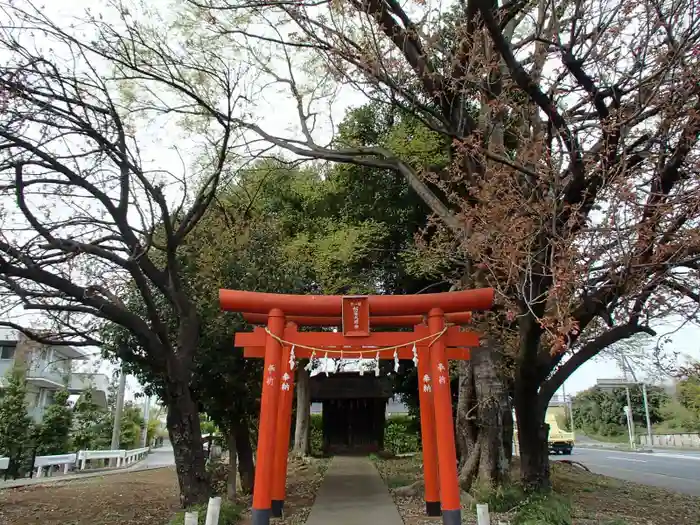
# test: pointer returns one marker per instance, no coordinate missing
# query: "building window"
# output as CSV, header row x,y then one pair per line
x,y
7,352
33,399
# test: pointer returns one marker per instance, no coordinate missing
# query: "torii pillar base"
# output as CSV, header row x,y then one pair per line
x,y
260,517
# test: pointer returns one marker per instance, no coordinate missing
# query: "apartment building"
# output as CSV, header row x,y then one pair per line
x,y
48,369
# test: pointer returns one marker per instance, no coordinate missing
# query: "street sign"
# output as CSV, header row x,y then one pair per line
x,y
612,384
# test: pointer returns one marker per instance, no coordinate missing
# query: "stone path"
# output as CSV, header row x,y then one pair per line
x,y
353,493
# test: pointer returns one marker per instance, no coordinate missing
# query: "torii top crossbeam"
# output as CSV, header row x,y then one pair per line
x,y
379,305
377,320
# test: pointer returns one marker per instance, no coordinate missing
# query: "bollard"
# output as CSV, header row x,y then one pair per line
x,y
191,518
482,514
213,510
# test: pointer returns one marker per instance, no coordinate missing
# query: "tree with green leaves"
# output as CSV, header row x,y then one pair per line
x,y
92,426
132,423
237,244
15,423
688,392
601,412
53,433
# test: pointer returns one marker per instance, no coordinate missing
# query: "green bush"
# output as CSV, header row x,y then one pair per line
x,y
677,418
544,509
316,434
400,436
230,514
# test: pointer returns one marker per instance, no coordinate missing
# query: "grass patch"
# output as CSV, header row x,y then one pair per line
x,y
544,509
501,499
617,438
394,482
230,514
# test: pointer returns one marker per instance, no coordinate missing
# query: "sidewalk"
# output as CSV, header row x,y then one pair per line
x,y
353,493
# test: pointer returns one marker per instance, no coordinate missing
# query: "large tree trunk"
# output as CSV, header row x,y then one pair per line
x,y
533,433
246,463
493,409
467,432
186,438
483,413
231,485
302,444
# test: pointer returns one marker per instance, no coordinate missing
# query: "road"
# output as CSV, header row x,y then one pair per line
x,y
158,457
676,471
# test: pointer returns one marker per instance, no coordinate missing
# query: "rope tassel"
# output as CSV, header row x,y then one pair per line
x,y
310,364
313,349
396,361
292,359
376,365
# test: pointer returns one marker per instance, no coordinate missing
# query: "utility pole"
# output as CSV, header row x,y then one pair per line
x,y
630,420
116,427
146,415
626,365
568,406
628,411
646,412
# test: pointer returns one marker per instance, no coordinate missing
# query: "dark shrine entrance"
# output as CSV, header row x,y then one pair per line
x,y
354,411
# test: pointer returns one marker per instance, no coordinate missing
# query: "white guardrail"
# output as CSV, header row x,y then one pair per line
x,y
51,461
123,457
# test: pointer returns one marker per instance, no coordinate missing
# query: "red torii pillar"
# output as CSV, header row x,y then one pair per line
x,y
282,430
273,411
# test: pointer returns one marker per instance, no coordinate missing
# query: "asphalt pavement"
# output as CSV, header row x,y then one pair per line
x,y
671,470
157,458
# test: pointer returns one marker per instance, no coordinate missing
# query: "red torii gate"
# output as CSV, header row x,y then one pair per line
x,y
430,344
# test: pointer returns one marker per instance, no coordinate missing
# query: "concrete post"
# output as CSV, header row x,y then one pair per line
x,y
482,514
213,510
